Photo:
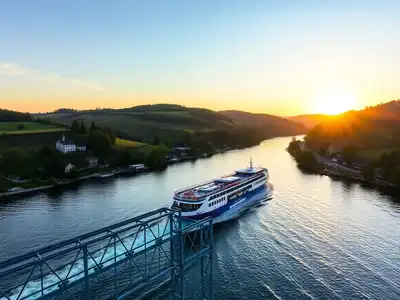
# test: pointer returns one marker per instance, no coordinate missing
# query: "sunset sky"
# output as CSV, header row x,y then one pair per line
x,y
277,57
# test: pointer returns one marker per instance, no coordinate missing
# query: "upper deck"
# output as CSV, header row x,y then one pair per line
x,y
201,191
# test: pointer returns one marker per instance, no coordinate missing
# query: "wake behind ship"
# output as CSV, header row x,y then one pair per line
x,y
221,195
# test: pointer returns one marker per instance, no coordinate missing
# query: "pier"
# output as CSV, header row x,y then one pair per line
x,y
151,254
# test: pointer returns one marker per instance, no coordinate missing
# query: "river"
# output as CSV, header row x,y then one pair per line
x,y
316,239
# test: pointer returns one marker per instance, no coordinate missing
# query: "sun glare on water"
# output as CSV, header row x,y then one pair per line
x,y
333,102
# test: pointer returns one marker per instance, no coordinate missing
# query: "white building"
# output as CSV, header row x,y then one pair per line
x,y
80,148
65,146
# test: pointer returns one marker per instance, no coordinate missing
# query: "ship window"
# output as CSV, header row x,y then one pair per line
x,y
189,207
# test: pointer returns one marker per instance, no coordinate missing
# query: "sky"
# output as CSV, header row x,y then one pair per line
x,y
278,57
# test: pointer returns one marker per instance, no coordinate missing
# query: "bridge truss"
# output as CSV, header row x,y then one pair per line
x,y
155,255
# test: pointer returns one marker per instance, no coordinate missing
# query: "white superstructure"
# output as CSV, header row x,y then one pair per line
x,y
217,196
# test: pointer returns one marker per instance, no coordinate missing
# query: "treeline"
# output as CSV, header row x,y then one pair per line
x,y
100,141
306,159
14,116
208,141
42,164
386,168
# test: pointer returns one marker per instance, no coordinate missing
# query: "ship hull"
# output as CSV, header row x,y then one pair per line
x,y
234,207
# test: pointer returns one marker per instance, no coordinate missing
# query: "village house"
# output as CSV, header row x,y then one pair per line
x,y
65,146
93,162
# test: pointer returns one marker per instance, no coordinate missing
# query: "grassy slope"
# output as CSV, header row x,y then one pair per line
x,y
11,128
126,144
143,123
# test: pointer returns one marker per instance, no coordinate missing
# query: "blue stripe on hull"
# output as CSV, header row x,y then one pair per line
x,y
219,211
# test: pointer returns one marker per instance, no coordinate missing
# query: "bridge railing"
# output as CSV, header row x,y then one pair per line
x,y
110,261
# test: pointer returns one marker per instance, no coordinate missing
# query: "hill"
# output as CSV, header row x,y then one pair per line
x,y
174,124
266,125
144,123
311,120
373,128
14,116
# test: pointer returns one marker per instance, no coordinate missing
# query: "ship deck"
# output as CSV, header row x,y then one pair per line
x,y
200,191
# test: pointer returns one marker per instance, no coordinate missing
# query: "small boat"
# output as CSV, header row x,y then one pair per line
x,y
105,175
173,160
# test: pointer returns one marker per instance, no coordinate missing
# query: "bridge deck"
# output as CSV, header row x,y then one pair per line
x,y
126,259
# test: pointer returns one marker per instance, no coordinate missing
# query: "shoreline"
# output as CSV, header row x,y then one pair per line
x,y
331,172
358,178
113,174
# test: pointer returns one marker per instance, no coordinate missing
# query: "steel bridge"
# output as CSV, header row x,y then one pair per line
x,y
156,255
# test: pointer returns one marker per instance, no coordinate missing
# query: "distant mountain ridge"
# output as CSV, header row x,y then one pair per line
x,y
266,124
309,120
388,110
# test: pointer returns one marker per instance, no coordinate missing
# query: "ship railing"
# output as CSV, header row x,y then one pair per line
x,y
179,191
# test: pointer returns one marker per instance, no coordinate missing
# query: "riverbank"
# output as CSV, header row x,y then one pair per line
x,y
310,161
357,178
101,176
60,183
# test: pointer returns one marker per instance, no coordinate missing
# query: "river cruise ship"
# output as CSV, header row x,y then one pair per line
x,y
220,195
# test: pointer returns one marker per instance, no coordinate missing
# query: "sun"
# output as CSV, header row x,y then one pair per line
x,y
335,101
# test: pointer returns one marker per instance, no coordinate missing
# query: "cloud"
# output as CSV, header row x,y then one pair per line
x,y
9,69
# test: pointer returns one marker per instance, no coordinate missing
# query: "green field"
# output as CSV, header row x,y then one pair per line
x,y
126,144
17,128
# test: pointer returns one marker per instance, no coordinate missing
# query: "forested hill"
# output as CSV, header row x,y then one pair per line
x,y
388,111
13,116
266,125
173,124
375,127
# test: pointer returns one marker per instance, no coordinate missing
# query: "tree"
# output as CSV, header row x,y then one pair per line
x,y
368,172
56,167
294,146
323,150
100,143
112,136
349,154
157,157
306,160
73,174
92,126
45,152
12,162
124,158
396,176
75,127
82,129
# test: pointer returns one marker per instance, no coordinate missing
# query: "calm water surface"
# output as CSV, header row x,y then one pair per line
x,y
317,239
